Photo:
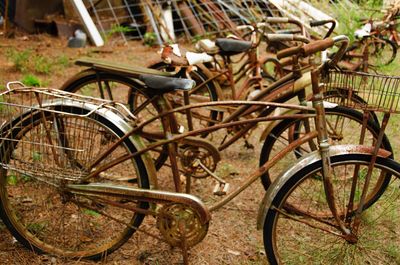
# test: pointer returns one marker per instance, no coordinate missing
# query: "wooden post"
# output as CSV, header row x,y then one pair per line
x,y
5,17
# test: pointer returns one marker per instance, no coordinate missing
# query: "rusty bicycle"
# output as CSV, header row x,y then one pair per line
x,y
108,80
82,161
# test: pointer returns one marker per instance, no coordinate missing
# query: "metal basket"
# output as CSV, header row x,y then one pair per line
x,y
39,138
363,91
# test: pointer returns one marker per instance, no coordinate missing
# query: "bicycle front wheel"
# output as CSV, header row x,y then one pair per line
x,y
311,235
42,154
343,125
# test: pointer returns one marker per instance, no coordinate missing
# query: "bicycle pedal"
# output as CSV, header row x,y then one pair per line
x,y
221,189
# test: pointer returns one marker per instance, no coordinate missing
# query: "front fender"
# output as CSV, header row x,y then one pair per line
x,y
307,160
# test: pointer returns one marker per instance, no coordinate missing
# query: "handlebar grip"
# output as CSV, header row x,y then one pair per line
x,y
288,52
317,46
279,37
316,23
288,31
277,20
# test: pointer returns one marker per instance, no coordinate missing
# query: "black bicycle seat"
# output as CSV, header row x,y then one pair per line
x,y
232,47
167,84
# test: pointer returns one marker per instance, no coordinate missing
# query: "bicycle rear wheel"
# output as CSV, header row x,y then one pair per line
x,y
311,236
43,152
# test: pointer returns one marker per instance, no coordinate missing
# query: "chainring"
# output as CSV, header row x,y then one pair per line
x,y
179,224
197,149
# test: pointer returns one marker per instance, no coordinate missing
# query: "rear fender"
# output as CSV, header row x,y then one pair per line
x,y
120,123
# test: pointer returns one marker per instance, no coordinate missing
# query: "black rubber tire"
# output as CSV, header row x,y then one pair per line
x,y
46,224
383,52
375,51
291,238
86,83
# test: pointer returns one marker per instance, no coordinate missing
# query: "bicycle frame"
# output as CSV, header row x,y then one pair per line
x,y
102,192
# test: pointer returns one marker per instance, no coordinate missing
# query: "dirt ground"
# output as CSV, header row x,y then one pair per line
x,y
232,236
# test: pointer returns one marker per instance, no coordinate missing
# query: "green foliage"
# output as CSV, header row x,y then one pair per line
x,y
370,3
349,14
36,228
197,38
12,180
63,61
20,59
149,39
91,212
25,61
36,156
31,80
116,29
42,64
119,29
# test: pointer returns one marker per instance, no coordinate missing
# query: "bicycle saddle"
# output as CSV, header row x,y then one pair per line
x,y
232,47
167,84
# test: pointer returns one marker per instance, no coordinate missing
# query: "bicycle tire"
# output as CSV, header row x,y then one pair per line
x,y
342,95
284,133
383,52
35,209
87,83
303,238
90,82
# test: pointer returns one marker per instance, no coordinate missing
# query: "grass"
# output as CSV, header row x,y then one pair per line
x,y
19,59
117,29
26,61
149,39
377,236
31,80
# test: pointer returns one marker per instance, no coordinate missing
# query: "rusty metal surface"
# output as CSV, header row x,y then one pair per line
x,y
118,68
152,196
305,161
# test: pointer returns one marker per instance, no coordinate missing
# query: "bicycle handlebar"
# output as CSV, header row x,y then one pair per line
x,y
344,40
276,20
288,52
316,46
317,23
286,37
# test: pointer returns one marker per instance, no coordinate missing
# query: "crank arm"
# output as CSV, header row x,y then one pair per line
x,y
222,187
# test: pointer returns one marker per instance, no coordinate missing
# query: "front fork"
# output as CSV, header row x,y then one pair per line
x,y
323,141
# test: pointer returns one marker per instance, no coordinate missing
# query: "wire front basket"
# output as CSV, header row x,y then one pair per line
x,y
363,91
